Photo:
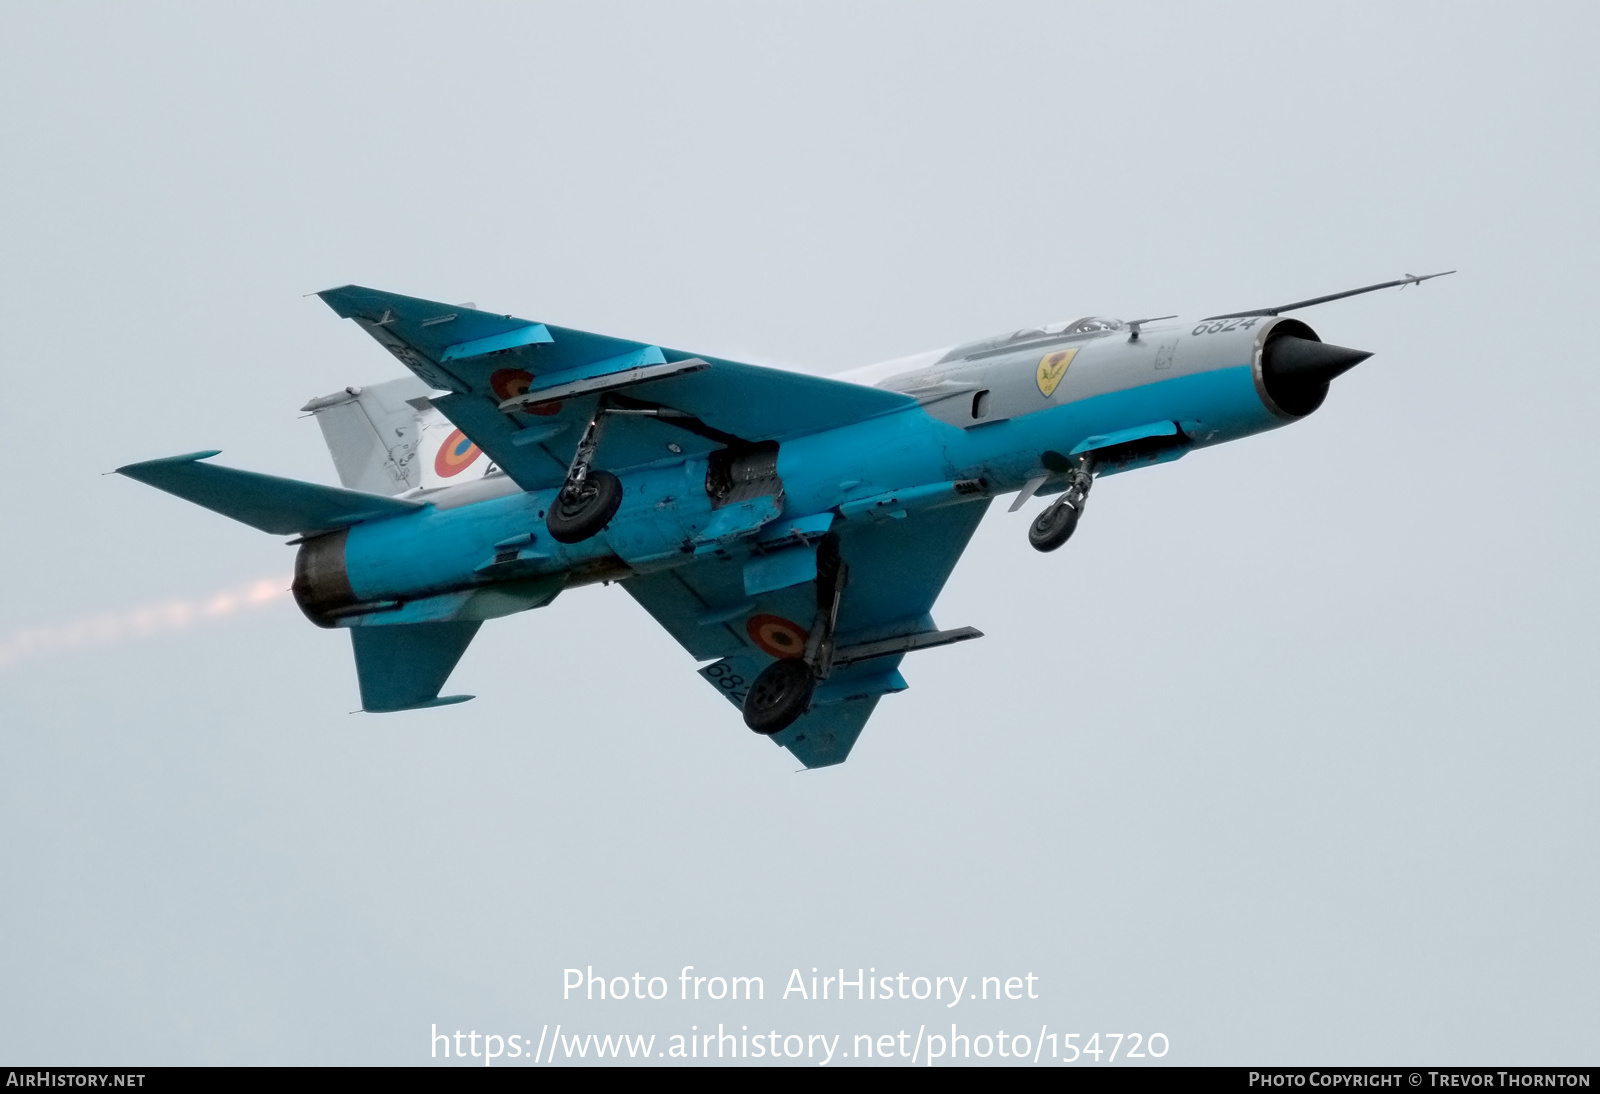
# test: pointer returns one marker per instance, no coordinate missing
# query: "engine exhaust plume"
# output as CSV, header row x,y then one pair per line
x,y
164,617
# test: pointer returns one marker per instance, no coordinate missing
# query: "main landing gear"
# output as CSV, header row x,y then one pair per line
x,y
1055,525
589,498
779,696
783,691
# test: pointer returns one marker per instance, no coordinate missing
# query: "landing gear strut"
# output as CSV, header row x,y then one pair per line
x,y
589,498
783,691
1055,525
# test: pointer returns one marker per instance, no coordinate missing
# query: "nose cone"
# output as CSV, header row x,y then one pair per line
x,y
1296,371
1300,360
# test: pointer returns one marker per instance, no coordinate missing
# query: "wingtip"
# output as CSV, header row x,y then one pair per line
x,y
338,298
187,457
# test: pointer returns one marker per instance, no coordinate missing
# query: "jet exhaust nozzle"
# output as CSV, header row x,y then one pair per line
x,y
1296,371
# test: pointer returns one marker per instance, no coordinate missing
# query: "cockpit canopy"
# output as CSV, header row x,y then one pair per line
x,y
1050,332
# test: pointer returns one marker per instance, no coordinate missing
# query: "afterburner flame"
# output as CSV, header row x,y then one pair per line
x,y
164,617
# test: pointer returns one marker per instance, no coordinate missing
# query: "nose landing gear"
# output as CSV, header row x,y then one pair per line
x,y
1055,525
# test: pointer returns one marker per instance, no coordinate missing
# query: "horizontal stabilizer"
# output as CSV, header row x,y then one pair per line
x,y
279,506
403,667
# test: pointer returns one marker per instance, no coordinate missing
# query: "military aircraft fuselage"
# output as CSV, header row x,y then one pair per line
x,y
990,417
791,532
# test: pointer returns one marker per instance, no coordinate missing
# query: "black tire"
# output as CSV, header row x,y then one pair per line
x,y
576,520
780,695
1053,527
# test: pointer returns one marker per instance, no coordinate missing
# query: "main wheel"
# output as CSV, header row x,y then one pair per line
x,y
780,695
1053,527
576,519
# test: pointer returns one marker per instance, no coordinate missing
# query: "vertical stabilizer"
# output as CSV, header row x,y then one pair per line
x,y
372,434
403,666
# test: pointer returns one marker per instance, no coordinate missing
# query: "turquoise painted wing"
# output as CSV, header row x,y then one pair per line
x,y
897,568
483,360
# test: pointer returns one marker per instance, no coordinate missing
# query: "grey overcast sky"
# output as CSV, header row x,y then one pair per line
x,y
1290,755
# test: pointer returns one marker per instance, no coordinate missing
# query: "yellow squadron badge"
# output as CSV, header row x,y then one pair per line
x,y
1052,367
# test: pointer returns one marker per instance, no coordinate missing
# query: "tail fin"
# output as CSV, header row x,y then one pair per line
x,y
372,434
403,667
387,438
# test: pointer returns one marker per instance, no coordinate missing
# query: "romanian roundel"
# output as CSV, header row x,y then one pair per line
x,y
455,455
776,635
508,383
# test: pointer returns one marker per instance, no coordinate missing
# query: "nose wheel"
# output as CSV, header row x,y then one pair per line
x,y
1053,527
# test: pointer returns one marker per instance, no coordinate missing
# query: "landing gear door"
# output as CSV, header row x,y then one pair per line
x,y
1141,446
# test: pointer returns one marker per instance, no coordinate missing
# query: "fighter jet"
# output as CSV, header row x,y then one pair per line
x,y
791,531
